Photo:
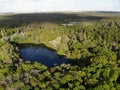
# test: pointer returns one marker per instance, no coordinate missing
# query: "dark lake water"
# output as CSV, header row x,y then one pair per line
x,y
43,55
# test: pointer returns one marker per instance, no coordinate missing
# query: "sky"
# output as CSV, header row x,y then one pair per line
x,y
23,6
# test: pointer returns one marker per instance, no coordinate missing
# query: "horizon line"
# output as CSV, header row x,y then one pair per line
x,y
100,11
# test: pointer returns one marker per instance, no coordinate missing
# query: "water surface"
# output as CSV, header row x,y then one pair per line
x,y
42,54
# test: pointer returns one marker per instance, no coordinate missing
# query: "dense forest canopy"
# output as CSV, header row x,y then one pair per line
x,y
90,41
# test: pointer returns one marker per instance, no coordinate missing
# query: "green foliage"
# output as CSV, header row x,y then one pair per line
x,y
8,53
92,49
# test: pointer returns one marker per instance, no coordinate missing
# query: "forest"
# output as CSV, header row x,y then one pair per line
x,y
90,41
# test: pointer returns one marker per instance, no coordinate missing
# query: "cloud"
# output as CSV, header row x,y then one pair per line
x,y
5,0
58,5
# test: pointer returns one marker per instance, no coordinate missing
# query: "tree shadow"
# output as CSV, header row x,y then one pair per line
x,y
36,46
82,62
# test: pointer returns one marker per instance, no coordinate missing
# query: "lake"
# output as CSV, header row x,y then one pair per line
x,y
41,54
